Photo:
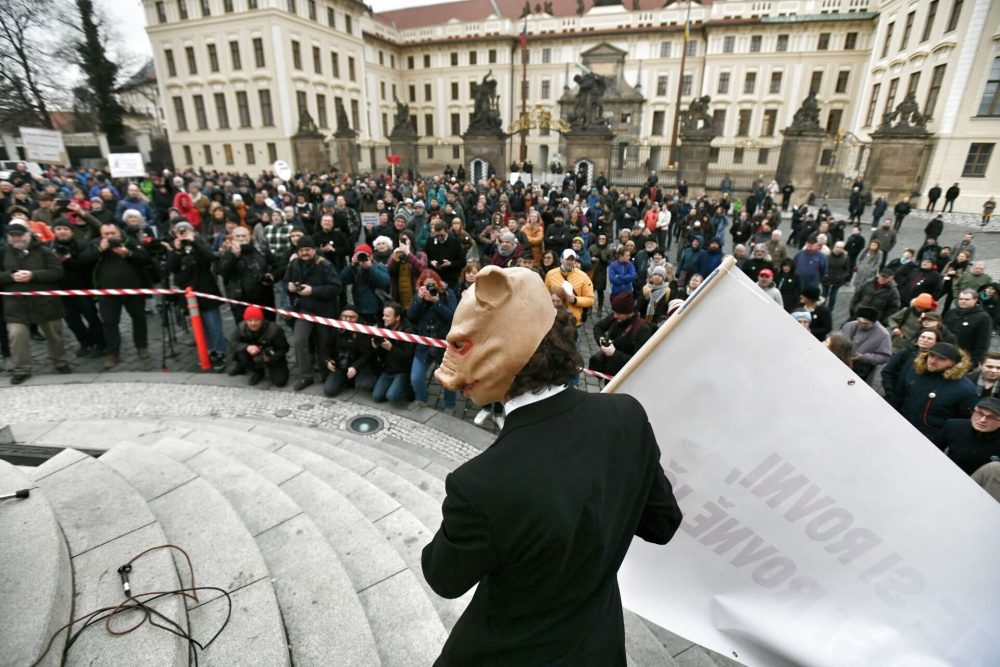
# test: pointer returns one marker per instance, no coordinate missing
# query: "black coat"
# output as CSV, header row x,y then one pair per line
x,y
247,277
192,267
966,446
972,329
111,271
322,276
542,521
270,335
46,272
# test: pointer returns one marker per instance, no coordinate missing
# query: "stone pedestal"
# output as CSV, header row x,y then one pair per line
x,y
482,151
310,152
345,152
896,166
693,156
592,148
797,162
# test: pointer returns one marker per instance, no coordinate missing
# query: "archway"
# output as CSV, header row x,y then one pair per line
x,y
587,167
478,169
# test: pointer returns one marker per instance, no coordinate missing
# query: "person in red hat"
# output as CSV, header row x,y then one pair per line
x,y
259,347
369,281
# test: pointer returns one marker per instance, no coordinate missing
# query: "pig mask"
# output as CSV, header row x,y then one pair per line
x,y
498,325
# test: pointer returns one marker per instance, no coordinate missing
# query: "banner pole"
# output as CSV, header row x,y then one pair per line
x,y
711,281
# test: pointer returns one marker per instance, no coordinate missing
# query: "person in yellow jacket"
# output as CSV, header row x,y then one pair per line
x,y
574,282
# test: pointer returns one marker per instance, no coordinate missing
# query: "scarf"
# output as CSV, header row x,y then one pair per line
x,y
656,293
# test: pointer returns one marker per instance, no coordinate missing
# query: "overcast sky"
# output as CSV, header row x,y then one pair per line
x,y
130,19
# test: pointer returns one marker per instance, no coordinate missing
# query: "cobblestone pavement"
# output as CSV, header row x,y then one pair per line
x,y
183,357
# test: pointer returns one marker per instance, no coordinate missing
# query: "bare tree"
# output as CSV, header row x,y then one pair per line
x,y
27,91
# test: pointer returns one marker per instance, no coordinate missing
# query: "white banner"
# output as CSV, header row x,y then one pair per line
x,y
819,528
43,145
124,165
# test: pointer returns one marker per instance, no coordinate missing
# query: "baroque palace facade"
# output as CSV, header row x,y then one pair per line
x,y
235,75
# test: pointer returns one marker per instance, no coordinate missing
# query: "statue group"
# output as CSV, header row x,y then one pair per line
x,y
697,122
401,124
485,117
588,109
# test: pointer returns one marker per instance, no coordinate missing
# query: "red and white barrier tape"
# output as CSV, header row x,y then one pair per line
x,y
327,321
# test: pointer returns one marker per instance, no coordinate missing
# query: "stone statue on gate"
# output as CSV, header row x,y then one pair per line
x,y
905,119
697,122
806,119
401,124
343,122
306,124
485,117
588,109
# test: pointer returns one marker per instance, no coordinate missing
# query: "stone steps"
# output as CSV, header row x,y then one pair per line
x,y
317,535
106,523
36,586
324,621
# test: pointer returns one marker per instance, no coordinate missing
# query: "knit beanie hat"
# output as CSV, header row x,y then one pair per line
x,y
306,242
253,313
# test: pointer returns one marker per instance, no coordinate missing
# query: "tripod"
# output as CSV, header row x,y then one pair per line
x,y
170,320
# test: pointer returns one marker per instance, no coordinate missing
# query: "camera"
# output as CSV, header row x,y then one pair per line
x,y
363,257
267,281
378,340
114,243
62,249
432,289
62,206
604,341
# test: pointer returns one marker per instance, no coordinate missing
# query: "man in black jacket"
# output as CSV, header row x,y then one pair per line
x,y
541,520
902,209
974,441
314,286
619,335
348,358
191,263
445,254
950,195
26,265
119,264
970,324
246,273
80,311
932,196
394,357
259,347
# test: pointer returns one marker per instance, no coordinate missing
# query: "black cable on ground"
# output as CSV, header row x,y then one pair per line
x,y
141,602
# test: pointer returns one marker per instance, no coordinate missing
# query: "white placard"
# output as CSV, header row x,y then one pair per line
x,y
820,528
43,145
124,165
282,170
369,218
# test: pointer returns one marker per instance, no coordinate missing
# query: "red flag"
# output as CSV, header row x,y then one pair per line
x,y
524,34
393,159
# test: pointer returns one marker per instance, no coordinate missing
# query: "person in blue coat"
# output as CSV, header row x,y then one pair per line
x,y
430,314
621,272
368,280
709,259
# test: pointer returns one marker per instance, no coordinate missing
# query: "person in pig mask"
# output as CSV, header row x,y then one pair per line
x,y
541,520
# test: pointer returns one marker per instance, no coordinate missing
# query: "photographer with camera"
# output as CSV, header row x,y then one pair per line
x,y
430,313
27,265
190,260
349,359
259,347
619,335
369,283
394,357
405,265
445,254
331,243
246,273
80,312
119,263
314,288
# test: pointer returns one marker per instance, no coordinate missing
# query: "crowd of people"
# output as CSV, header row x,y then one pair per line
x,y
400,254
